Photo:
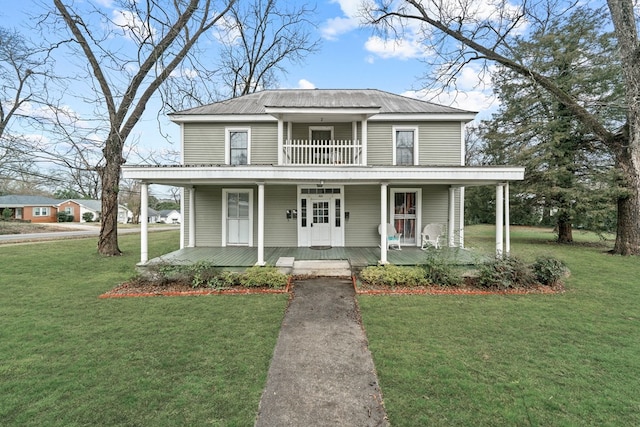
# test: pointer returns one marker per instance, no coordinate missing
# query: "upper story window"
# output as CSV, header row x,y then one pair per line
x,y
237,146
405,146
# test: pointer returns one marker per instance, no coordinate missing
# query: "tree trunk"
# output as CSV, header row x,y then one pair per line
x,y
628,229
110,174
565,230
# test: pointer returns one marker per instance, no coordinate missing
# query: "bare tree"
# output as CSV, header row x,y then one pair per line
x,y
23,69
474,31
124,80
259,38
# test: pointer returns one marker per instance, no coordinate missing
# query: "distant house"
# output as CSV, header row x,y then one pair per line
x,y
30,208
45,209
169,216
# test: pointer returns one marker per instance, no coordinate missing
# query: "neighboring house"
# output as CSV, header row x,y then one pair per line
x,y
317,168
30,208
45,209
153,216
169,216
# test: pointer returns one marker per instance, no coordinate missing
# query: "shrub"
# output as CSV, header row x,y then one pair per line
x,y
263,276
393,275
62,217
440,272
87,217
509,272
548,270
203,273
6,214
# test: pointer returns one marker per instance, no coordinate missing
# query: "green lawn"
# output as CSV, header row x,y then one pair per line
x,y
68,358
571,359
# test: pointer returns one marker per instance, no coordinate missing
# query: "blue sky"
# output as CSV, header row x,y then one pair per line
x,y
350,57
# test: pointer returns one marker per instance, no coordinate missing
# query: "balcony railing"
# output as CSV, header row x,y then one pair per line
x,y
326,152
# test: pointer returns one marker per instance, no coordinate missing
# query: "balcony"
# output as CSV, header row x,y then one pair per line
x,y
325,152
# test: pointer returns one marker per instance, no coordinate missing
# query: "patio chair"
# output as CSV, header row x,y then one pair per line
x,y
393,237
431,234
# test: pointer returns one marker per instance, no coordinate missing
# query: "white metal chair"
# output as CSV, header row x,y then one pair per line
x,y
393,237
431,234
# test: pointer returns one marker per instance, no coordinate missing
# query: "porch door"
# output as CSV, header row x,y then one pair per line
x,y
320,223
321,137
238,218
405,209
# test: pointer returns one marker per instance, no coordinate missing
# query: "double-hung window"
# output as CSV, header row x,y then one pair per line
x,y
40,211
405,146
238,146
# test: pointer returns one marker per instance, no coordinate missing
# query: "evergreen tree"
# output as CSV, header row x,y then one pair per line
x,y
569,175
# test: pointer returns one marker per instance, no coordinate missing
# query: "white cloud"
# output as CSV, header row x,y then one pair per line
x,y
349,21
131,25
305,84
396,48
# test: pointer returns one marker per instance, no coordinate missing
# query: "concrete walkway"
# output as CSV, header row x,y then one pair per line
x,y
322,373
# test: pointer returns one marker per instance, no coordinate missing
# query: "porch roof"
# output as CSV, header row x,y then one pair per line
x,y
218,174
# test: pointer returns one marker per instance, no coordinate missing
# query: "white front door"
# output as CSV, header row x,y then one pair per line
x,y
320,223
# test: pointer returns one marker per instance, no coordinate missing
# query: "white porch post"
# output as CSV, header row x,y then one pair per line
x,y
507,228
144,222
499,219
182,223
280,141
383,221
461,219
452,217
192,217
260,224
363,143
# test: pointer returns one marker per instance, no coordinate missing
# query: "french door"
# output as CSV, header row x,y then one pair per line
x,y
406,214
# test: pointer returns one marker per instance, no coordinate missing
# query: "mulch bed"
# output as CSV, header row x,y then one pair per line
x,y
147,289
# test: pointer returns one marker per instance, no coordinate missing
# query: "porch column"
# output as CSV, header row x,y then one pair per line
x,y
507,228
383,222
363,143
260,224
192,217
461,219
499,219
280,140
452,217
144,222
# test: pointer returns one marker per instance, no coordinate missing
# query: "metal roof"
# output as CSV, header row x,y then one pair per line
x,y
259,102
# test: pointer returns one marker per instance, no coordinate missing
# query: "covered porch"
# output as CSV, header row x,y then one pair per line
x,y
358,257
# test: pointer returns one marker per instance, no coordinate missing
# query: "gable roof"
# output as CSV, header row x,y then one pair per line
x,y
17,200
380,101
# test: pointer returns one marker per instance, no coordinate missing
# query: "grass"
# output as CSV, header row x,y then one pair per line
x,y
552,360
71,359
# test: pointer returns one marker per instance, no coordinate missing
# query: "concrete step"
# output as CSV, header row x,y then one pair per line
x,y
330,268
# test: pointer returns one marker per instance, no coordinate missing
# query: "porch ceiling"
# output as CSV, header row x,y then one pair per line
x,y
268,174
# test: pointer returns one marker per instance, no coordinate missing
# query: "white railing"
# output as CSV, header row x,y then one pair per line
x,y
328,152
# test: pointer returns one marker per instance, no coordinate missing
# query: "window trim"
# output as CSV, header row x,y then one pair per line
x,y
225,198
227,143
414,129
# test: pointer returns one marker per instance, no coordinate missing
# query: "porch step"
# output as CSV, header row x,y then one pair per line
x,y
333,268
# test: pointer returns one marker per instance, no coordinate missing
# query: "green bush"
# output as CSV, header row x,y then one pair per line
x,y
393,275
263,276
203,273
548,270
6,214
440,272
506,273
87,217
63,217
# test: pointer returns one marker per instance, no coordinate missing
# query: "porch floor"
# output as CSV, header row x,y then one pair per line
x,y
358,257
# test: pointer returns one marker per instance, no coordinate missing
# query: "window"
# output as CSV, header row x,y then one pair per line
x,y
40,211
237,146
238,217
69,210
405,146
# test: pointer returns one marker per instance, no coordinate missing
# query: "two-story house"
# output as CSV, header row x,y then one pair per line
x,y
322,168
